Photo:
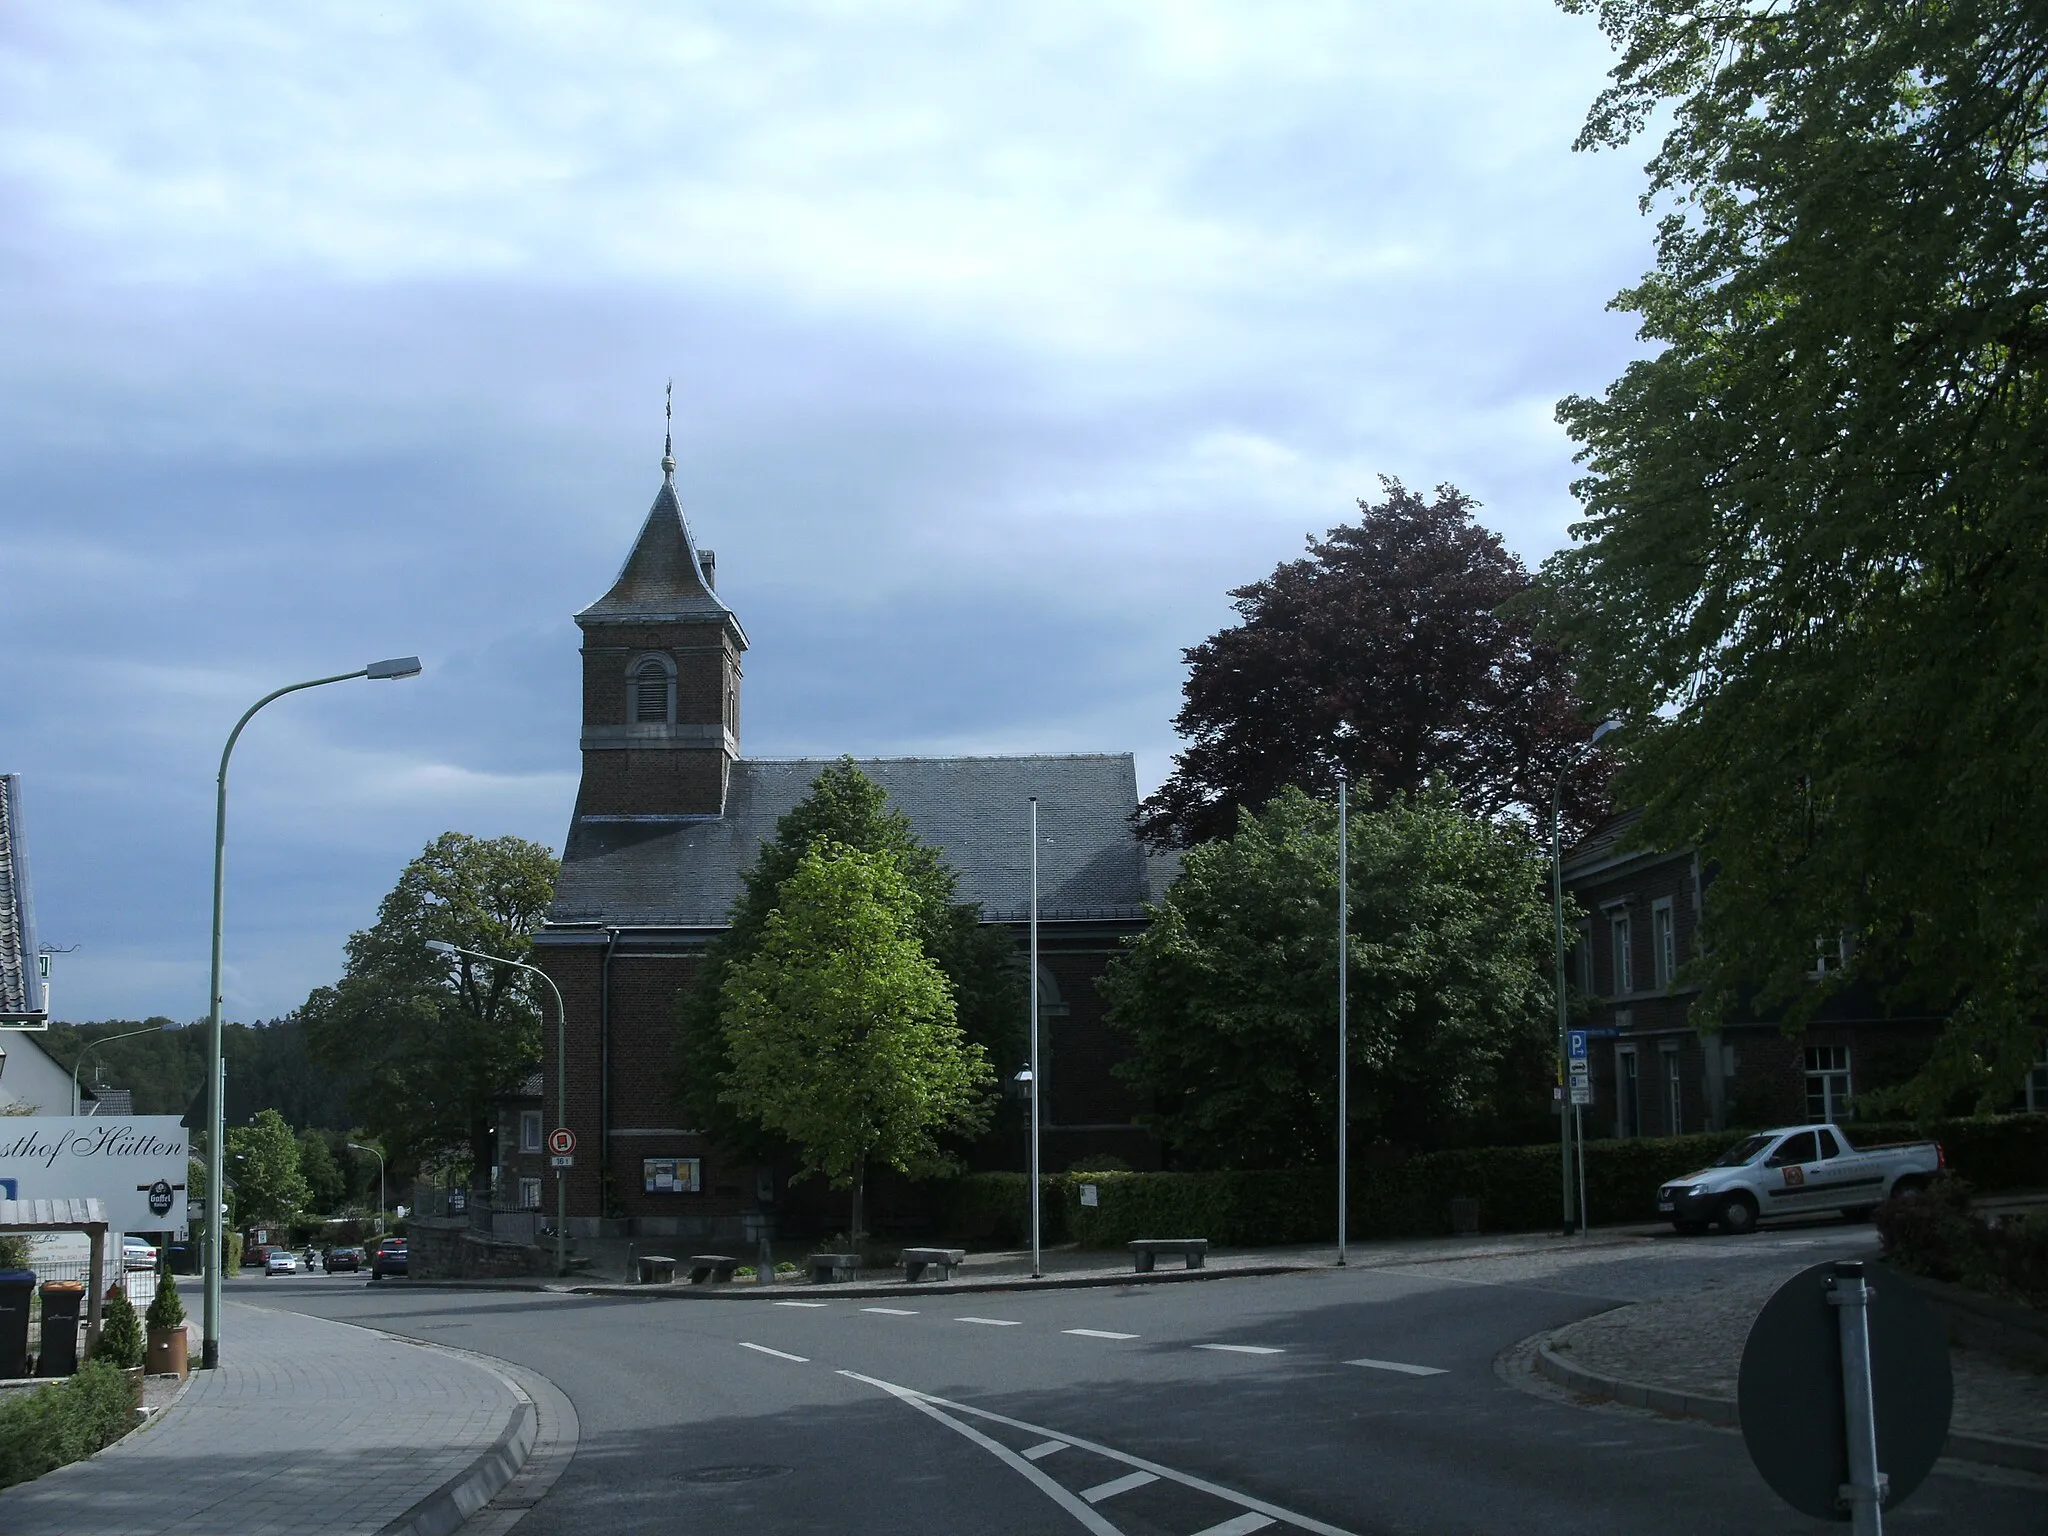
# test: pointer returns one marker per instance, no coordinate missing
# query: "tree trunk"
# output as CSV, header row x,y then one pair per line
x,y
860,1187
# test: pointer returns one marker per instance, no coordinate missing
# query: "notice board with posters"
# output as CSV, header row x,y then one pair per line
x,y
135,1164
672,1175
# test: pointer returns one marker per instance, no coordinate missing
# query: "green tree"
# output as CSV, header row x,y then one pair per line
x,y
427,1047
327,1186
120,1342
1229,998
847,808
841,1030
262,1161
1812,549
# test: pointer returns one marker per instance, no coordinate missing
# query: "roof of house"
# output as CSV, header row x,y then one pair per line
x,y
686,871
111,1101
21,987
662,579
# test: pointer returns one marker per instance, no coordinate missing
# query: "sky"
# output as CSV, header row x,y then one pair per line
x,y
1005,340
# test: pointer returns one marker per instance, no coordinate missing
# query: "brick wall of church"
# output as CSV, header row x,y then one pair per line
x,y
633,781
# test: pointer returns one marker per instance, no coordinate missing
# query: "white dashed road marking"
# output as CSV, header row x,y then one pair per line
x,y
1243,1349
991,1322
799,1303
1117,1485
1243,1525
777,1353
1097,1333
891,1311
1043,1449
1395,1365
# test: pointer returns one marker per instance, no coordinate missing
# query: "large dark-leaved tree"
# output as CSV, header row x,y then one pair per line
x,y
1384,655
1813,543
847,810
427,1047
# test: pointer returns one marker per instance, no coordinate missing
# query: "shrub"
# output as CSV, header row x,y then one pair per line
x,y
14,1250
167,1307
1935,1233
231,1247
52,1426
120,1342
994,1209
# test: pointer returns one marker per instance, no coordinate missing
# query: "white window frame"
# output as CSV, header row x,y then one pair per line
x,y
529,1194
1628,1092
530,1123
1621,940
1831,1080
1664,941
1674,1089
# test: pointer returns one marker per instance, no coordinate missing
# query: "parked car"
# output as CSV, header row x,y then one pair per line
x,y
1796,1170
255,1254
136,1254
389,1259
335,1260
281,1261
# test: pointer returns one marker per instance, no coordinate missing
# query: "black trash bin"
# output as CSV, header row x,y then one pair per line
x,y
63,1305
17,1290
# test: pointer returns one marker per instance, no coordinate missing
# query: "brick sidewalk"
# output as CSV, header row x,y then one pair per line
x,y
308,1428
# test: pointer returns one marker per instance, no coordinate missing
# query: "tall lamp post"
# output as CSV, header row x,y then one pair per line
x,y
374,1152
442,947
1565,1120
109,1040
1343,1016
1036,1078
396,667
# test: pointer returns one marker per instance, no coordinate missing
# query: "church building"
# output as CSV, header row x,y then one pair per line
x,y
668,818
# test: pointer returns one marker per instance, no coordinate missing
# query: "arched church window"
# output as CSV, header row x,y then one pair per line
x,y
650,693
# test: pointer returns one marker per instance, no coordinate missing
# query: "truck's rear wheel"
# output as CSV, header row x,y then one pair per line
x,y
1738,1214
1909,1184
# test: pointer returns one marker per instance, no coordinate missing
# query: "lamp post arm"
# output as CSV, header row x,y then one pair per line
x,y
93,1046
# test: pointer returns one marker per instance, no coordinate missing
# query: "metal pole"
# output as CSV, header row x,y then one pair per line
x,y
1035,1267
1866,1488
1564,1121
209,1349
1343,1015
374,1152
1579,1133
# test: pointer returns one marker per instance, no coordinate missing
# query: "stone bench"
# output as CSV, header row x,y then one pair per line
x,y
711,1266
654,1269
825,1268
945,1260
1146,1250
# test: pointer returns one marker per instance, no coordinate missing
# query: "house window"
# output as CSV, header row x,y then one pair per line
x,y
650,693
1674,1093
2037,1085
1628,1104
529,1130
1624,963
1664,942
529,1194
1827,1083
1828,955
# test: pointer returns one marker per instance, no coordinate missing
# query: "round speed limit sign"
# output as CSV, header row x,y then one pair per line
x,y
561,1141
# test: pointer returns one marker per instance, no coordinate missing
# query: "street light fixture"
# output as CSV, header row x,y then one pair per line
x,y
443,947
396,667
1572,1221
374,1152
154,1029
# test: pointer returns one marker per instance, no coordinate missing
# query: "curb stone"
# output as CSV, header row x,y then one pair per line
x,y
1988,1450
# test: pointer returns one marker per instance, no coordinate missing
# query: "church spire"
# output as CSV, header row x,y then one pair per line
x,y
668,443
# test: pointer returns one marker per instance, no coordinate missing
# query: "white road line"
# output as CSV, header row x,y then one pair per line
x,y
891,1311
778,1354
799,1303
991,1322
1043,1449
1097,1333
925,1403
1395,1365
1243,1349
1117,1485
1242,1525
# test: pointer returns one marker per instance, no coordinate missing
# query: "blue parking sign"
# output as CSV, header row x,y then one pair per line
x,y
1575,1044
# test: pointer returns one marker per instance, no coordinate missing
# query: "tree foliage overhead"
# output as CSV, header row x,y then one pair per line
x,y
840,1029
1813,542
1229,999
426,1046
1384,655
847,808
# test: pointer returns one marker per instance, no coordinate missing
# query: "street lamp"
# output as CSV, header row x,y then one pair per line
x,y
1565,1122
109,1040
380,1181
443,947
1035,1268
396,667
1343,1016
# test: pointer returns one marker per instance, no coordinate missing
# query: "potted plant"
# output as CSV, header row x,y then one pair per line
x,y
120,1341
166,1320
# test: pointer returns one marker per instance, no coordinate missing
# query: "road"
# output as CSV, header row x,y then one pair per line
x,y
1364,1401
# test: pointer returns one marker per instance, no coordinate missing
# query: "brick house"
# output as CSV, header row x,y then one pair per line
x,y
1654,1072
669,816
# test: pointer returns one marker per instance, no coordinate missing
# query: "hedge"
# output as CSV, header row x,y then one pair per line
x,y
1517,1189
53,1426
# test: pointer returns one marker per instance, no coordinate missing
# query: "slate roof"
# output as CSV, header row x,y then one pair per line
x,y
685,871
1608,839
21,987
112,1101
662,578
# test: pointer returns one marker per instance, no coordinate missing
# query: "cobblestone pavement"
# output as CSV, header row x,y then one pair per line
x,y
308,1428
1693,1344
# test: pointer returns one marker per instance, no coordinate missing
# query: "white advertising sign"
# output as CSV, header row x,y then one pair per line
x,y
135,1164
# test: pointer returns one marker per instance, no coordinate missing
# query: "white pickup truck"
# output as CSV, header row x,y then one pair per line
x,y
1796,1170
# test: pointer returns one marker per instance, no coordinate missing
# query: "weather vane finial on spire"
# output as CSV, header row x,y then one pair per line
x,y
668,449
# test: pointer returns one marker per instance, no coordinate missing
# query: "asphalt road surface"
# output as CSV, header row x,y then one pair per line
x,y
1359,1401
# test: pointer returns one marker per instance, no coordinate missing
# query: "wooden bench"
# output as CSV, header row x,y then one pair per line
x,y
654,1269
825,1268
945,1260
1146,1250
711,1266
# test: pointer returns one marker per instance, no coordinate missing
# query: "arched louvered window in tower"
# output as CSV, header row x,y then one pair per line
x,y
650,693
